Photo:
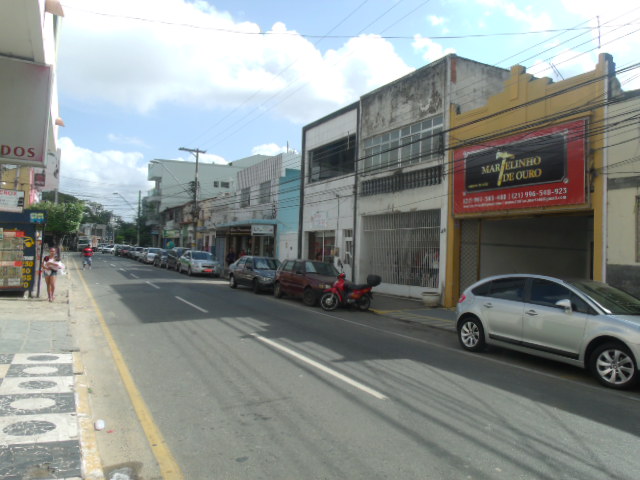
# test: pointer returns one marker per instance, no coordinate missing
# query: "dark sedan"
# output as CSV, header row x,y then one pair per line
x,y
304,278
255,272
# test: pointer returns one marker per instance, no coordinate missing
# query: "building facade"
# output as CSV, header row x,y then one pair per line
x,y
622,173
29,119
259,217
527,193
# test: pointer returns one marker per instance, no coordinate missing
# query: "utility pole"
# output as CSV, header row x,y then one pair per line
x,y
195,152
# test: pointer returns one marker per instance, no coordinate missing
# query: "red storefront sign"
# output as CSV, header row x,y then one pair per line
x,y
537,169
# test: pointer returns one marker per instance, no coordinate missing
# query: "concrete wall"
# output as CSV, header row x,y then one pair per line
x,y
623,188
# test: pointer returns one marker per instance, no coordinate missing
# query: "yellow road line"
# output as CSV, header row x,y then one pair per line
x,y
168,466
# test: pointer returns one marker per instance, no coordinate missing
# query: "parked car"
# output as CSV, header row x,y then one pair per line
x,y
160,260
579,322
135,252
196,262
304,278
122,250
173,256
150,254
259,273
108,249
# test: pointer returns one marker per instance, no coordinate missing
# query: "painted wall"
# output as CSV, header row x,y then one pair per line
x,y
623,189
524,102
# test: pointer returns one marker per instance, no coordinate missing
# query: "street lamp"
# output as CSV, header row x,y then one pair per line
x,y
138,213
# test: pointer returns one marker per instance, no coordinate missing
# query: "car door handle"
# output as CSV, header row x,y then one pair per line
x,y
533,313
488,305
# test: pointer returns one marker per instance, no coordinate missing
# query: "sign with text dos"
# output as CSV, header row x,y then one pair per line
x,y
537,169
11,200
25,97
257,230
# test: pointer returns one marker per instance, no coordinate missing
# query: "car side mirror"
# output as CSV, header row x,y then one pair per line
x,y
565,304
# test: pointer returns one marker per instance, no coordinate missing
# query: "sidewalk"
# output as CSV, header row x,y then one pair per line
x,y
39,393
410,310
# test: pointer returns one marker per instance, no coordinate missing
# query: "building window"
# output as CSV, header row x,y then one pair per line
x,y
332,160
245,197
416,143
224,184
216,184
265,192
322,246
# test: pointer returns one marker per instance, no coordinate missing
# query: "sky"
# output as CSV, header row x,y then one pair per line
x,y
139,79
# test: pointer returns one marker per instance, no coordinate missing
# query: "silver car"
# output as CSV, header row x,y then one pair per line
x,y
580,322
199,262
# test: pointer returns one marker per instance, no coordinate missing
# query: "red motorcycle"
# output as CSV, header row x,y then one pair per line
x,y
345,294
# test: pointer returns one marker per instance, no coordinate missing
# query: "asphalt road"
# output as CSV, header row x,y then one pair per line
x,y
246,386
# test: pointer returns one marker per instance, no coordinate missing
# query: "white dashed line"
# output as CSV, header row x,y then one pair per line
x,y
192,305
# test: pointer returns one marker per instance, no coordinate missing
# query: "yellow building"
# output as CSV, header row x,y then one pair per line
x,y
525,182
20,179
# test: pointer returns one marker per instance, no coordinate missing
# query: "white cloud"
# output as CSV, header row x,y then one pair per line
x,y
527,15
270,149
432,50
95,176
209,158
436,21
214,62
124,140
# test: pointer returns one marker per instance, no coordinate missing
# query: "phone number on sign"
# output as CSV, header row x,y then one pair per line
x,y
548,193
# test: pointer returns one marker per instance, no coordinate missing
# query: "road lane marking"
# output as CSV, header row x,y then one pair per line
x,y
166,461
321,367
134,275
192,305
153,285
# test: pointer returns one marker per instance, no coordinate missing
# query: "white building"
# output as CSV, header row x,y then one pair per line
x,y
374,197
261,216
174,186
622,173
29,118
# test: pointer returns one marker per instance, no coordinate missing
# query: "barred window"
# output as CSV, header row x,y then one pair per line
x,y
416,143
245,197
265,192
402,181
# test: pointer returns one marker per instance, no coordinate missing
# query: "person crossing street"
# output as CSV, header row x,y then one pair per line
x,y
87,257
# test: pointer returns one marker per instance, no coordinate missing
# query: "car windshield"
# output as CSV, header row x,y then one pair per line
x,y
613,300
266,263
201,256
154,250
321,267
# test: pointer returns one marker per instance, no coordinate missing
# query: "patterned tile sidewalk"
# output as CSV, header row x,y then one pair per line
x,y
39,437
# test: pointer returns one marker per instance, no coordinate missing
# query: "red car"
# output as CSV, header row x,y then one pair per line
x,y
304,279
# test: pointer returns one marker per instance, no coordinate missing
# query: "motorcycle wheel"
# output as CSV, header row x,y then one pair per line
x,y
329,301
364,303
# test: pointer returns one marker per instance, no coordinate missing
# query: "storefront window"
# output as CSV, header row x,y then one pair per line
x,y
322,245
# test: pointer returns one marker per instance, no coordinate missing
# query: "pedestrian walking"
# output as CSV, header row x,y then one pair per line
x,y
51,265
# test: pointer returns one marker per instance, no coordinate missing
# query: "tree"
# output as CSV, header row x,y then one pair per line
x,y
62,218
95,213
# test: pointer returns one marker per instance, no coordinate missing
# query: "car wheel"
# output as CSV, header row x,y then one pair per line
x,y
277,290
309,297
614,366
471,334
255,287
232,282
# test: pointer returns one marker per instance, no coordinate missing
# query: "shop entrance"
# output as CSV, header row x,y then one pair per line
x,y
560,246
